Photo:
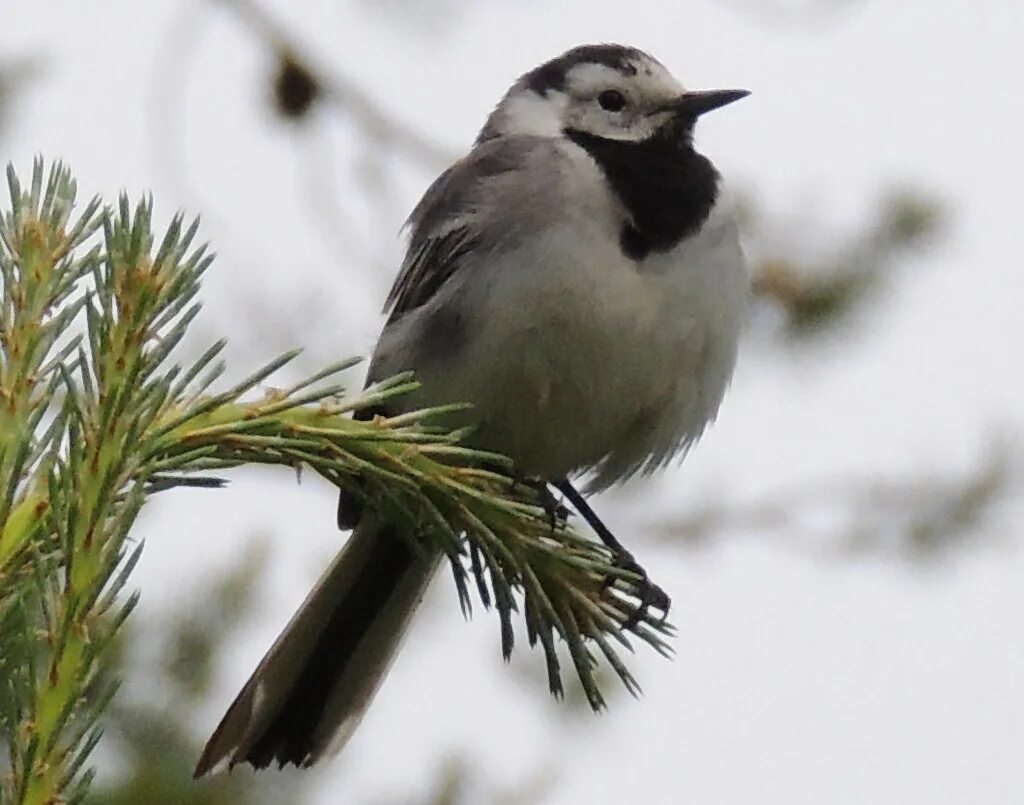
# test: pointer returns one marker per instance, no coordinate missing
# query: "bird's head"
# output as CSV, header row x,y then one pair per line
x,y
608,91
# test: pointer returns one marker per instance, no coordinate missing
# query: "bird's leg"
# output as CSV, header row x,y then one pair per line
x,y
553,507
649,593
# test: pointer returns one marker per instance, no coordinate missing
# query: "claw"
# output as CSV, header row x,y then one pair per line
x,y
650,595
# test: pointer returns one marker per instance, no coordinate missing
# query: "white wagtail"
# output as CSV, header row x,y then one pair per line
x,y
578,278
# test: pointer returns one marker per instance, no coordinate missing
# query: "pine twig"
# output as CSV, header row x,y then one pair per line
x,y
90,426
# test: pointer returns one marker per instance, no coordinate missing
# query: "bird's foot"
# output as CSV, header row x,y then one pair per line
x,y
649,595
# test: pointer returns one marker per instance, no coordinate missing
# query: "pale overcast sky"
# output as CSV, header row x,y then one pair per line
x,y
798,679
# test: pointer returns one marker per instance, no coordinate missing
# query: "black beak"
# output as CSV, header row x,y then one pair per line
x,y
694,104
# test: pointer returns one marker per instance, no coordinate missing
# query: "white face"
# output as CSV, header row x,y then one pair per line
x,y
623,102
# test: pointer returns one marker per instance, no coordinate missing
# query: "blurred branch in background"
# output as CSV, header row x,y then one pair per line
x,y
15,76
810,297
917,518
354,218
299,83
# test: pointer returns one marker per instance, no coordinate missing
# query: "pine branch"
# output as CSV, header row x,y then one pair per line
x,y
93,424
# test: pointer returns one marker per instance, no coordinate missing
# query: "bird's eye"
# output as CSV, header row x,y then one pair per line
x,y
611,100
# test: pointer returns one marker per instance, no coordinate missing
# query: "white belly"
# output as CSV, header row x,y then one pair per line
x,y
572,364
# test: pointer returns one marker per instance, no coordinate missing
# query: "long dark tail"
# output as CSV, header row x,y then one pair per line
x,y
310,691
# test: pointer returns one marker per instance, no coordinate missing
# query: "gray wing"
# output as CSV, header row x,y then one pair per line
x,y
471,206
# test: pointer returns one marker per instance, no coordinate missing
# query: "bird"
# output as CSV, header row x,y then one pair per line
x,y
577,278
